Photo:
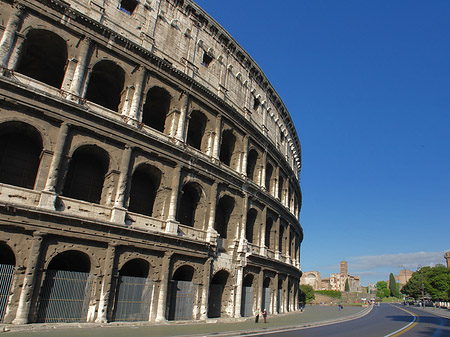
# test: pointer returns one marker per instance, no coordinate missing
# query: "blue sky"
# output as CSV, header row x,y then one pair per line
x,y
367,84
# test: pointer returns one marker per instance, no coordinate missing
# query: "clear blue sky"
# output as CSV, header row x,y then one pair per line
x,y
367,84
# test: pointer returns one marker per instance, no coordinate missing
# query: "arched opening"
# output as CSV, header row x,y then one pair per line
x,y
279,295
247,296
7,263
265,300
269,173
43,57
196,129
252,160
250,225
227,147
106,84
190,196
86,174
181,302
280,188
156,108
144,185
66,289
223,212
268,238
281,245
20,151
134,292
216,290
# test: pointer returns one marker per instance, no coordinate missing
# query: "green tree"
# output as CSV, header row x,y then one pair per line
x,y
382,289
381,285
435,281
347,286
306,293
393,286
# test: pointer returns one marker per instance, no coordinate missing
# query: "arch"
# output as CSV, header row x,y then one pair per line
x,y
7,264
66,289
144,186
134,292
252,160
265,298
182,291
216,290
281,240
105,85
227,147
20,151
86,174
7,255
190,196
43,57
280,189
268,242
196,129
268,182
250,225
247,296
224,209
156,108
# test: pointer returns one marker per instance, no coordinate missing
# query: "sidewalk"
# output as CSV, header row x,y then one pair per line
x,y
314,315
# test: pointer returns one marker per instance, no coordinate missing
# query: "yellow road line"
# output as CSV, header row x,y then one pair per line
x,y
406,328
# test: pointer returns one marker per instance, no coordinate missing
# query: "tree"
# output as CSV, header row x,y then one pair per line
x,y
347,286
393,286
382,289
306,293
381,285
434,280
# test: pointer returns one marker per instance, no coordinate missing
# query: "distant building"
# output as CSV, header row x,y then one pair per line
x,y
403,276
447,258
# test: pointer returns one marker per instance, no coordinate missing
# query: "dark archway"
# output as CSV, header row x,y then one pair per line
x,y
269,173
252,160
196,129
250,225
20,151
106,84
43,57
224,209
181,300
216,290
265,300
144,185
156,108
7,263
227,147
268,238
247,296
190,196
86,174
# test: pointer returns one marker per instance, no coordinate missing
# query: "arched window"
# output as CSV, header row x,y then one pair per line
x,y
190,197
269,173
181,299
20,150
196,129
144,184
71,260
252,160
106,84
86,174
216,290
227,147
156,108
250,226
224,209
43,57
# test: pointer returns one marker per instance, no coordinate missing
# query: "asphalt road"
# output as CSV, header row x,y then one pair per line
x,y
384,321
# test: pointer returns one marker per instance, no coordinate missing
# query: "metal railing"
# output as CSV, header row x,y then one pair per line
x,y
6,278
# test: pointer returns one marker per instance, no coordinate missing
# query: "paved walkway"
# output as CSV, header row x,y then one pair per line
x,y
313,315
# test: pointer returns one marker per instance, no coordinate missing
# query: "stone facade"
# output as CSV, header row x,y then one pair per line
x,y
336,281
140,142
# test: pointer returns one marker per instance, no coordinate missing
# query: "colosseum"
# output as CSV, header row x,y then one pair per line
x,y
149,171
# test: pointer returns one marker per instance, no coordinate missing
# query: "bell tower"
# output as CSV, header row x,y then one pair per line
x,y
447,258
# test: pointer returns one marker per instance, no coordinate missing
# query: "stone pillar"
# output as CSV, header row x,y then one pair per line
x,y
238,292
181,129
244,157
217,135
211,233
118,212
242,238
79,74
275,295
171,223
135,110
108,268
263,171
163,288
276,245
205,290
23,308
9,34
277,186
262,244
259,291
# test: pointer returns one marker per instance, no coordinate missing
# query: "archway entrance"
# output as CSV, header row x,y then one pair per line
x,y
265,303
181,294
7,263
247,297
133,295
216,289
66,289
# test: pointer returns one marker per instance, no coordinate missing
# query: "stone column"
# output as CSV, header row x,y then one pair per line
x,y
277,187
262,245
108,268
205,290
259,291
135,110
217,135
238,291
80,70
276,245
275,298
263,171
118,212
163,288
9,34
23,308
244,157
242,238
211,233
171,223
181,129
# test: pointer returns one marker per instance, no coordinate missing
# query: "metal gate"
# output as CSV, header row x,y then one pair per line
x,y
133,298
6,278
215,300
64,296
266,300
247,302
181,300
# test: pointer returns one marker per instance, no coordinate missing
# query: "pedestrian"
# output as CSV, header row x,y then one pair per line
x,y
265,315
256,318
